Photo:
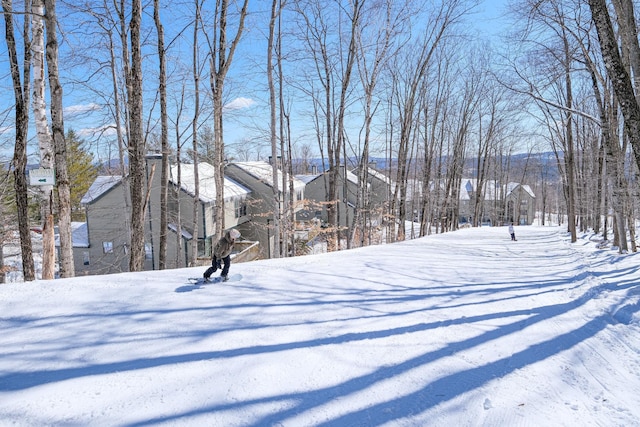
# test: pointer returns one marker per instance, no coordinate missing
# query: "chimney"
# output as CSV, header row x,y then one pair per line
x,y
278,160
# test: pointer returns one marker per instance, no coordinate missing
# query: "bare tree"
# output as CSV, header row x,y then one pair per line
x,y
45,140
164,138
21,95
554,62
195,225
136,141
220,58
276,8
331,52
620,79
375,47
408,82
57,125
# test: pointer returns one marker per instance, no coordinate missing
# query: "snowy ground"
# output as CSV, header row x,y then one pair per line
x,y
465,329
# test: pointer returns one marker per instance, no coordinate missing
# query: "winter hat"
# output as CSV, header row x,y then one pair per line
x,y
234,234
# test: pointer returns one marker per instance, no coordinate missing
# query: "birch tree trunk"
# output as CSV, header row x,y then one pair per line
x,y
45,141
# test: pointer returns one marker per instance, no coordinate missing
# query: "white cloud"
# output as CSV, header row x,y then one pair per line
x,y
106,130
6,129
75,110
239,103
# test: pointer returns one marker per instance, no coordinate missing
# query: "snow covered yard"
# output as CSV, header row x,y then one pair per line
x,y
465,328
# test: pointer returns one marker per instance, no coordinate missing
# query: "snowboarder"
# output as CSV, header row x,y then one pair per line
x,y
512,232
222,253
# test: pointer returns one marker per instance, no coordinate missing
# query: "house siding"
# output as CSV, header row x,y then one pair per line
x,y
108,222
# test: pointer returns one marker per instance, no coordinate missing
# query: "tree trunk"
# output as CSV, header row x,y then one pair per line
x,y
273,133
67,268
620,79
45,141
136,142
221,56
164,139
21,94
569,149
195,208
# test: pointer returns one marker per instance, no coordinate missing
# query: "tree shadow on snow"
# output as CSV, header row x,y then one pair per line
x,y
436,392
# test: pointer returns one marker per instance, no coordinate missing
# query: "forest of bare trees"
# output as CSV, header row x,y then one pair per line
x,y
418,86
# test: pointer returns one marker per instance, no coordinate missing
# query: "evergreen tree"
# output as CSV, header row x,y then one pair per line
x,y
7,213
82,172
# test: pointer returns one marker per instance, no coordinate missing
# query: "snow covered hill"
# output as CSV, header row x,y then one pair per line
x,y
466,328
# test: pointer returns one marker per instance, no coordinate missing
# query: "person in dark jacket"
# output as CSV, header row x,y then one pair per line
x,y
222,253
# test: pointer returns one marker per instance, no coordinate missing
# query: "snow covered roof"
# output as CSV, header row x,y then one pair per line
x,y
514,185
491,189
307,178
185,234
378,175
263,171
100,185
207,182
351,177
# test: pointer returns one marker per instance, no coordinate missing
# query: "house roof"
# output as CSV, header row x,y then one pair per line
x,y
104,183
263,172
378,175
512,186
100,185
352,177
206,176
307,178
491,189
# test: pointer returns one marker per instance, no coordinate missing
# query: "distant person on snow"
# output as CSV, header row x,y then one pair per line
x,y
222,253
512,232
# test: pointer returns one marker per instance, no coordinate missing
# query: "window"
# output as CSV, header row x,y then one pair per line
x,y
107,247
204,247
239,207
148,251
85,258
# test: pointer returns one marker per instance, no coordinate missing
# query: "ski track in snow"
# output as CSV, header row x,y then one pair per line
x,y
465,328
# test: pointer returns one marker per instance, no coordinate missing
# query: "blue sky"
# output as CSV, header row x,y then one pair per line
x,y
246,103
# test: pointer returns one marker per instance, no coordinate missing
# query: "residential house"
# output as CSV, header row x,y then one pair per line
x,y
107,227
258,178
520,208
108,219
501,204
380,187
181,203
317,194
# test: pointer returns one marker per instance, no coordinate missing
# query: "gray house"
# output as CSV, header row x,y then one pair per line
x,y
107,229
513,202
182,202
108,219
258,178
317,193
